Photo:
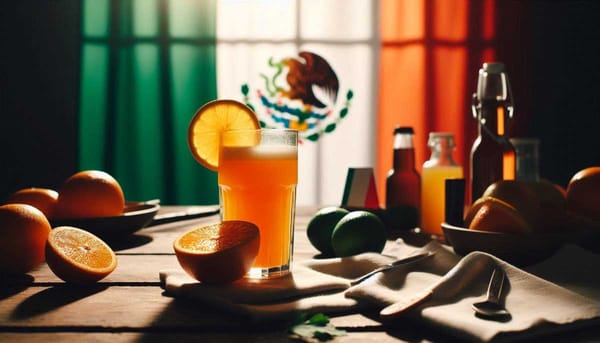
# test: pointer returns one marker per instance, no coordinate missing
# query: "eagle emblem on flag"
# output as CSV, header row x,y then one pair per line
x,y
300,93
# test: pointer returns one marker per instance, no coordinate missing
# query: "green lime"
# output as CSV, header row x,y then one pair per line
x,y
321,226
358,232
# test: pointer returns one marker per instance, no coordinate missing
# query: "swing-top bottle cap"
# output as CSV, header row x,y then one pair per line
x,y
404,129
493,67
493,82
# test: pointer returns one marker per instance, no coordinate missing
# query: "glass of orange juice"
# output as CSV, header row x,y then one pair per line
x,y
258,173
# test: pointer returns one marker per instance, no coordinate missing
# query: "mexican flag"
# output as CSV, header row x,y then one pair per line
x,y
342,72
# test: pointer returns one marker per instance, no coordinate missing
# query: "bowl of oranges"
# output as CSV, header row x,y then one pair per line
x,y
66,228
92,200
524,222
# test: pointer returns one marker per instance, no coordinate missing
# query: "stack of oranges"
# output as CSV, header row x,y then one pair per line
x,y
538,206
26,238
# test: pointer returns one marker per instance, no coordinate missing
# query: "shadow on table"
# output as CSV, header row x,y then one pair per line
x,y
13,284
191,319
50,299
408,330
129,242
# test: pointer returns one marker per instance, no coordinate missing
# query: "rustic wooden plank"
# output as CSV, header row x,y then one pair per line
x,y
102,306
129,306
106,308
233,337
131,269
157,239
396,334
136,269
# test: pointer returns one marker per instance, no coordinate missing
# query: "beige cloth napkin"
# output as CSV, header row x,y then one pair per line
x,y
537,306
304,290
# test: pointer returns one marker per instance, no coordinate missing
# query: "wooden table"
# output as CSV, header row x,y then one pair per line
x,y
129,304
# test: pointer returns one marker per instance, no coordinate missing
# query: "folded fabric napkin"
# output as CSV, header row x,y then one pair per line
x,y
450,282
302,290
537,306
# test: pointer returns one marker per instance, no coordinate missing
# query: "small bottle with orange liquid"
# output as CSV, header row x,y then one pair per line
x,y
492,154
436,170
403,183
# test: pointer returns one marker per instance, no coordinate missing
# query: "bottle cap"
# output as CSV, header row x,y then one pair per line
x,y
439,136
493,67
404,129
492,82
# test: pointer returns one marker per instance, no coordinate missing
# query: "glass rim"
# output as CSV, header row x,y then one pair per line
x,y
270,130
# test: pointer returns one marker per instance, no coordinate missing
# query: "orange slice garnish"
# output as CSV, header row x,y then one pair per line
x,y
210,121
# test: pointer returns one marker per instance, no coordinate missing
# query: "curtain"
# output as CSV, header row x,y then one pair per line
x,y
430,56
147,65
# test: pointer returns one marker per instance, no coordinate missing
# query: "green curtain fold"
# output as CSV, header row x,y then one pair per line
x,y
147,65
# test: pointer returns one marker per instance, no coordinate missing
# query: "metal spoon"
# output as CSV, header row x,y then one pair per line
x,y
402,261
492,307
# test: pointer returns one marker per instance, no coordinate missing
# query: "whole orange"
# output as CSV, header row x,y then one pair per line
x,y
90,193
43,199
552,203
496,215
520,196
23,233
583,193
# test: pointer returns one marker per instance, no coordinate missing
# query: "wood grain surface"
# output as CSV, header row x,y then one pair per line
x,y
129,305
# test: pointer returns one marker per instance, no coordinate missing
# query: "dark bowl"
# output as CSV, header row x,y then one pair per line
x,y
135,217
518,249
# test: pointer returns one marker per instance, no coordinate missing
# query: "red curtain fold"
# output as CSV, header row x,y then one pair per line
x,y
431,53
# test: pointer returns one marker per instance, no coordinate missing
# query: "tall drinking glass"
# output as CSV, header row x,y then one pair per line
x,y
527,150
258,173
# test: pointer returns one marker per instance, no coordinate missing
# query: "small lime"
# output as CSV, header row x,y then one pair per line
x,y
321,226
358,232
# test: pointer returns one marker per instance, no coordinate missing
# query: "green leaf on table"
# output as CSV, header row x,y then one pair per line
x,y
319,319
314,328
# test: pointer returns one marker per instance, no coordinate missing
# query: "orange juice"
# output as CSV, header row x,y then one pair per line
x,y
258,184
433,196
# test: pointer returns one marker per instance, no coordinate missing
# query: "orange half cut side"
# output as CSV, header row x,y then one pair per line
x,y
78,256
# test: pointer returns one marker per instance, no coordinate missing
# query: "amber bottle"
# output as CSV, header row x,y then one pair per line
x,y
403,183
492,155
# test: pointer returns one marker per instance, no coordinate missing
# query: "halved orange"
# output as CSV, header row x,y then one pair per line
x,y
210,121
78,256
218,253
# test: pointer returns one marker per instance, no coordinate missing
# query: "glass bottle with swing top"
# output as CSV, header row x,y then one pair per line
x,y
492,154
